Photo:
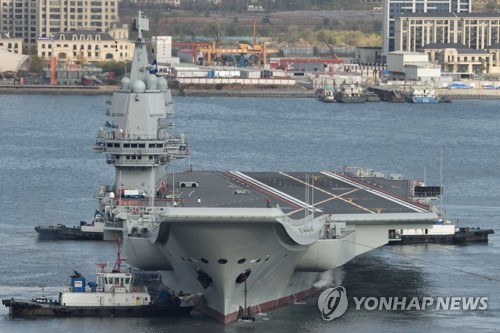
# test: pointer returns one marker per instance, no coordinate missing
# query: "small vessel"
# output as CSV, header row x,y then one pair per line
x,y
85,231
422,95
112,294
442,232
372,97
445,99
328,96
351,93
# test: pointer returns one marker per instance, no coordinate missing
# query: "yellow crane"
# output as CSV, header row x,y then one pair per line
x,y
210,53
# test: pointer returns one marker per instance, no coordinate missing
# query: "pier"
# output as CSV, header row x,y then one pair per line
x,y
388,94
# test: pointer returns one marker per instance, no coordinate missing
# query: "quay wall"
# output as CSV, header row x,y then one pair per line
x,y
241,91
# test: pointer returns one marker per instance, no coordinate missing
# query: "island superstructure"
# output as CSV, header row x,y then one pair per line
x,y
227,234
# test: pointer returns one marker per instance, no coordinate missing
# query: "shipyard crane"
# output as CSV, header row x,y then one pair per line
x,y
259,51
334,56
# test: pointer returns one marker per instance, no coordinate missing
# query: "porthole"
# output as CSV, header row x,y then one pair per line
x,y
183,258
204,260
242,260
192,260
222,261
286,254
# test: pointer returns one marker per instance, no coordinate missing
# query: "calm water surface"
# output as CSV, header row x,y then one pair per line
x,y
49,174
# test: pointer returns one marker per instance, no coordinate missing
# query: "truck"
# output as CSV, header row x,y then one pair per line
x,y
133,194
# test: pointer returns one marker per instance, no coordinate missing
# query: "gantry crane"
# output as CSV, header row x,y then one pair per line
x,y
260,51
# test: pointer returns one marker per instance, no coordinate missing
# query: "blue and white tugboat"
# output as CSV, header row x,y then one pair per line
x,y
422,95
112,294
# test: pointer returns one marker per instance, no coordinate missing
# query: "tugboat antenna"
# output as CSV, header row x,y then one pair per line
x,y
119,260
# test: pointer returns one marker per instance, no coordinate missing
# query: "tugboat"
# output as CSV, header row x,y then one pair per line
x,y
328,96
422,95
351,93
85,231
113,294
443,232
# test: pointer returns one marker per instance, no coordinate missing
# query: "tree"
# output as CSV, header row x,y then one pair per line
x,y
80,59
36,65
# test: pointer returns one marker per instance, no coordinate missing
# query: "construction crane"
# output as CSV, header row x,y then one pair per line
x,y
244,50
334,56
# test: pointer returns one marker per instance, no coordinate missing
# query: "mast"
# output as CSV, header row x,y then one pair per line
x,y
142,147
441,183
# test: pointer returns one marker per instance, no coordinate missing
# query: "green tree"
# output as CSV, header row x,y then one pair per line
x,y
36,65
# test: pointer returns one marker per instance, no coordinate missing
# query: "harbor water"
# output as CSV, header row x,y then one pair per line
x,y
49,175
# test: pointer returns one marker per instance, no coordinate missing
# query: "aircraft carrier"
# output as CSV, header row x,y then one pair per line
x,y
246,241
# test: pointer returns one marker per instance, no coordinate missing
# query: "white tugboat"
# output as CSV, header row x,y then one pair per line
x,y
249,240
112,294
422,95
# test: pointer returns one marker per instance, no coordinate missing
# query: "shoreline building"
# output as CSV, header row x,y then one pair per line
x,y
32,19
475,30
463,43
11,44
90,45
394,8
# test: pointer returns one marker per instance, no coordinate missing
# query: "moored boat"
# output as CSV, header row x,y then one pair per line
x,y
113,294
85,231
422,95
442,232
350,93
372,97
328,96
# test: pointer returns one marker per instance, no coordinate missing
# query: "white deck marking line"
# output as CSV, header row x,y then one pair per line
x,y
333,196
376,192
274,191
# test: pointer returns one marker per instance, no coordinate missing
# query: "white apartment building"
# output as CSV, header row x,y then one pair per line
x,y
66,15
31,19
18,20
474,30
394,8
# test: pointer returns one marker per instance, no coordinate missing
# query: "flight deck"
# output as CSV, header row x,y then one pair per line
x,y
324,192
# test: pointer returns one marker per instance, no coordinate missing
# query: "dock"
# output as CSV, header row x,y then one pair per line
x,y
388,93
